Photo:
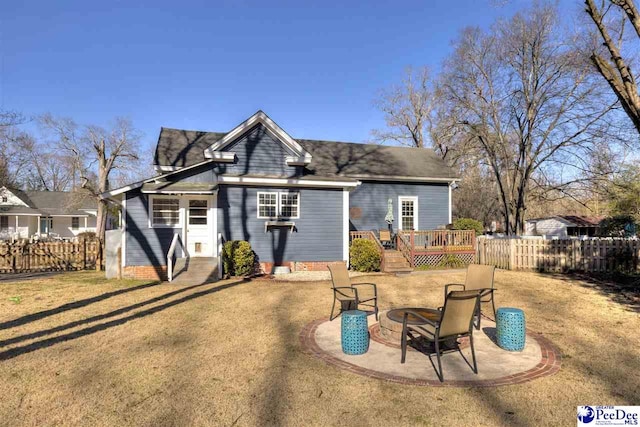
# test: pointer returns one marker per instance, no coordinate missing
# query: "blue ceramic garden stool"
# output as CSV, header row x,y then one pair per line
x,y
511,328
355,332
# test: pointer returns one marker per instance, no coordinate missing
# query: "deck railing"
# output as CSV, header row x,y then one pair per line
x,y
369,235
434,247
171,253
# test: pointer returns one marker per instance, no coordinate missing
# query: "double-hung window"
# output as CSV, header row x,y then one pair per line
x,y
4,223
278,205
75,223
165,212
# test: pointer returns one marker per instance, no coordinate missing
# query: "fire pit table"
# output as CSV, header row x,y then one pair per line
x,y
391,324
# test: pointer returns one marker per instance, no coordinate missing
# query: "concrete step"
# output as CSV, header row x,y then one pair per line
x,y
195,270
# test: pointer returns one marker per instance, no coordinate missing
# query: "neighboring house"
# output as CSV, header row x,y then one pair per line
x,y
24,214
294,200
563,226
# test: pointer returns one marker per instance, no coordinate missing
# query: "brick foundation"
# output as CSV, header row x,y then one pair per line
x,y
267,267
147,272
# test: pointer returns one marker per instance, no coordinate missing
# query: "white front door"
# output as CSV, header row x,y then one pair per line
x,y
408,213
199,227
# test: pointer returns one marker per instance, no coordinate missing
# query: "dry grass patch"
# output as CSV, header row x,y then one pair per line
x,y
81,350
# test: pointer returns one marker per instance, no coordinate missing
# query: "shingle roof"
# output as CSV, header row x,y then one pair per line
x,y
183,148
61,202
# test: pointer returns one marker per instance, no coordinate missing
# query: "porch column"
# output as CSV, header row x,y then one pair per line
x,y
85,223
17,232
345,225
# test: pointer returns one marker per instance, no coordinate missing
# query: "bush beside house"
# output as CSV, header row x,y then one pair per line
x,y
468,224
238,258
364,255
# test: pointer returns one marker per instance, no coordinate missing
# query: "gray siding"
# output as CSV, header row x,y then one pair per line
x,y
370,200
201,174
144,245
318,235
259,153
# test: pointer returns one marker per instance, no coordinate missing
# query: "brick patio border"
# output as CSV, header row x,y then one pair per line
x,y
549,363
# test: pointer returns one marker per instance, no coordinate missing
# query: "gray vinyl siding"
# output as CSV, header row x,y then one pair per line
x,y
144,245
318,235
201,174
369,202
258,153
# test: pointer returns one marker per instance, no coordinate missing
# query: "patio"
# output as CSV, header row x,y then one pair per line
x,y
382,361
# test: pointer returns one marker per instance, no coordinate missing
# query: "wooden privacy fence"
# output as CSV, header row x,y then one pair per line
x,y
592,255
47,256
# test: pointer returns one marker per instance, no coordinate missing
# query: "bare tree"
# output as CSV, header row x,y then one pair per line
x,y
408,110
98,154
521,99
608,58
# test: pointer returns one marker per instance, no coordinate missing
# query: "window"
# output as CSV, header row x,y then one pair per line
x,y
4,199
278,205
267,205
165,212
197,212
289,205
46,225
4,223
408,207
75,223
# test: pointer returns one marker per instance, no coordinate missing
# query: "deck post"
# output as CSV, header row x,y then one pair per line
x,y
413,248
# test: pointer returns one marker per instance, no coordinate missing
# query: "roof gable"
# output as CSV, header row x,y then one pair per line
x,y
14,198
300,156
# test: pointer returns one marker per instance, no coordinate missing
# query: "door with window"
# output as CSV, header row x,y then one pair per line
x,y
408,213
199,235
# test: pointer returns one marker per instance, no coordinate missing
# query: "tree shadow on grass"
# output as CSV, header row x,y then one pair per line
x,y
71,306
18,351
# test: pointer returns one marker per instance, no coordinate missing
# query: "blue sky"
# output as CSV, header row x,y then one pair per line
x,y
313,67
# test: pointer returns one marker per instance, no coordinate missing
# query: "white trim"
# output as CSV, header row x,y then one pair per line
x,y
211,242
278,206
282,193
270,125
150,212
294,182
111,193
414,199
224,157
178,192
123,243
162,168
258,204
20,214
298,160
345,226
449,204
402,178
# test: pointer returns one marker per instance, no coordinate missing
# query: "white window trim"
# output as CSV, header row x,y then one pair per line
x,y
278,204
280,194
414,199
180,212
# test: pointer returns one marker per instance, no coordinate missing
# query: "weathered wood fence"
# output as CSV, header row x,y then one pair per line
x,y
561,255
47,256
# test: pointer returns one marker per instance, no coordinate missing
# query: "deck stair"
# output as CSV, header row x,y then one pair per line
x,y
395,262
195,270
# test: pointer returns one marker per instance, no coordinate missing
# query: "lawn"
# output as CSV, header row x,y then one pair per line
x,y
76,349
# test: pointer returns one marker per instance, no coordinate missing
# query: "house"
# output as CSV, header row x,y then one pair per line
x,y
563,226
24,214
294,200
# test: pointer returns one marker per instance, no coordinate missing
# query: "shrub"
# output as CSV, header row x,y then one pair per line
x,y
617,226
468,224
86,235
364,255
238,258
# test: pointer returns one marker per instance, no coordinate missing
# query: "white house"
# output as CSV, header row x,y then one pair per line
x,y
24,214
562,226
